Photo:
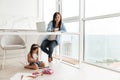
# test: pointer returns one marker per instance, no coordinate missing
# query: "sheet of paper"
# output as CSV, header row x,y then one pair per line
x,y
22,76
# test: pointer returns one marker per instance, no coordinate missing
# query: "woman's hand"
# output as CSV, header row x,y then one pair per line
x,y
55,29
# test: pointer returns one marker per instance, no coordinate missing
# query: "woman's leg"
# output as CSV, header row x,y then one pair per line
x,y
44,46
51,47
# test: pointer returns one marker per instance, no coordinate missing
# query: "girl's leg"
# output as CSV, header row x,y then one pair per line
x,y
42,64
34,66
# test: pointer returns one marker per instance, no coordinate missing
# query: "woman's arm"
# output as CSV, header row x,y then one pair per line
x,y
50,27
63,28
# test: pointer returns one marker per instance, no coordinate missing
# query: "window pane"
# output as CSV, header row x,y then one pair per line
x,y
49,10
70,6
102,42
101,7
72,27
70,46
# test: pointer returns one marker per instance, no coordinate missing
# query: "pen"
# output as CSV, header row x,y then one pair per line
x,y
21,77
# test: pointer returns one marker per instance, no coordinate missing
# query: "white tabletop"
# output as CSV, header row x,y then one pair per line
x,y
35,33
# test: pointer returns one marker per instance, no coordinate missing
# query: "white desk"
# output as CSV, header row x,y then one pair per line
x,y
37,33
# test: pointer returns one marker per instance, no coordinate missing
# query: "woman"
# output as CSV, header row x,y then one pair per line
x,y
52,41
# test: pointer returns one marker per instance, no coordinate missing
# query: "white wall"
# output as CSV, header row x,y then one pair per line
x,y
18,7
20,14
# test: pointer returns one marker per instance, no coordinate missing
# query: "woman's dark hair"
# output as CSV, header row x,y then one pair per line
x,y
33,47
54,16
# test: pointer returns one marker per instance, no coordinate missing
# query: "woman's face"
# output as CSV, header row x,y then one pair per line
x,y
57,18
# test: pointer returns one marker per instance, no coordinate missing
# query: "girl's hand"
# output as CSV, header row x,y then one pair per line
x,y
36,60
33,60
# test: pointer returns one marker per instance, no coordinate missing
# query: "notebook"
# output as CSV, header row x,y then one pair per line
x,y
40,26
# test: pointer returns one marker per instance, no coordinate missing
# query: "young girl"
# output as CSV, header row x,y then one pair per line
x,y
32,58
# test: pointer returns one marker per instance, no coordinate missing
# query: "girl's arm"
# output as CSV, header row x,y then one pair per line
x,y
30,59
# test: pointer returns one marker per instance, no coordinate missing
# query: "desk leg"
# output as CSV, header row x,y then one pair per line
x,y
60,49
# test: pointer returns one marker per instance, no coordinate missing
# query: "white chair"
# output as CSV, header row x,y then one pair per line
x,y
11,42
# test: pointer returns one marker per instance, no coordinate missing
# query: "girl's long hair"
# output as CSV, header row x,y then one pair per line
x,y
54,22
33,47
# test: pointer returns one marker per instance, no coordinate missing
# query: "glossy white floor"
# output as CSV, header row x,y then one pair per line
x,y
61,71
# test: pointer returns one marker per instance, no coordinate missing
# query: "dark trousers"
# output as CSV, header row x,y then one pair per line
x,y
48,47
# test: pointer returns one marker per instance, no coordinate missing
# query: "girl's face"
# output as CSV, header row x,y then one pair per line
x,y
57,18
35,51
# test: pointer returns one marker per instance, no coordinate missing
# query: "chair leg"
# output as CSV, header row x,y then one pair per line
x,y
3,62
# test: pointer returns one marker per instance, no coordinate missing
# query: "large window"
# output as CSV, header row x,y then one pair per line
x,y
102,35
70,42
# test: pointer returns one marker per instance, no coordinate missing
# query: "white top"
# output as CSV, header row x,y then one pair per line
x,y
35,56
53,37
